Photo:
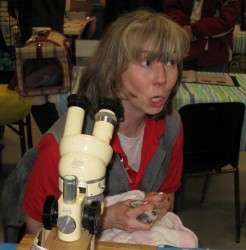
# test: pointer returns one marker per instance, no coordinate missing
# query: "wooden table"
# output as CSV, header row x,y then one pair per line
x,y
53,243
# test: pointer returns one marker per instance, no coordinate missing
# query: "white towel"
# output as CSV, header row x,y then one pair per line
x,y
169,230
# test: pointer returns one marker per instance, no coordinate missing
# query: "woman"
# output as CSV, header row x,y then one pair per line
x,y
139,62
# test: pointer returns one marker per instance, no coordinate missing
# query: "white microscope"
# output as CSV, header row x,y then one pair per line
x,y
82,170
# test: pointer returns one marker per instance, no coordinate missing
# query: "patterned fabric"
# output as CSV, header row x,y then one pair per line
x,y
190,93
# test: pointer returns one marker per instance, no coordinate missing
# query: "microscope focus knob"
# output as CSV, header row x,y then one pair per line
x,y
50,212
91,217
66,224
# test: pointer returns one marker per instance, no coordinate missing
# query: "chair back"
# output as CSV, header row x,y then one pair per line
x,y
212,133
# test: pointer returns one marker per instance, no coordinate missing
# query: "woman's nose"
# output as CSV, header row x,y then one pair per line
x,y
160,74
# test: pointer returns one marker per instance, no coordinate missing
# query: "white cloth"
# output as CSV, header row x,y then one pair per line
x,y
169,230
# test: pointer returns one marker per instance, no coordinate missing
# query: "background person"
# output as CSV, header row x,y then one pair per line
x,y
210,25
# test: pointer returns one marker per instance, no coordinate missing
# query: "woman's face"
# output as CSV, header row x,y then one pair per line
x,y
148,85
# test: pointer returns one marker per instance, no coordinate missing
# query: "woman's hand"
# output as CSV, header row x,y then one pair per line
x,y
122,216
162,202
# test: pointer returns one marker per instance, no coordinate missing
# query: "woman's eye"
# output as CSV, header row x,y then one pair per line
x,y
171,62
146,63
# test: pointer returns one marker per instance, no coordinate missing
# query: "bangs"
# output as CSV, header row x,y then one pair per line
x,y
155,39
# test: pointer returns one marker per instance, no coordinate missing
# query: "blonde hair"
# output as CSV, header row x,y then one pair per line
x,y
125,41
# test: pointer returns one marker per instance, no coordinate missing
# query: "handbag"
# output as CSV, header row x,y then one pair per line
x,y
43,65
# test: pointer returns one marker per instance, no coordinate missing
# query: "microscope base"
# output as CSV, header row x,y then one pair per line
x,y
54,243
27,242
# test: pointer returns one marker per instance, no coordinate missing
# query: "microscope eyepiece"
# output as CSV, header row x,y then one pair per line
x,y
79,101
111,104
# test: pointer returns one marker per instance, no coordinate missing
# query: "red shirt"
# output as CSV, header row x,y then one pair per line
x,y
44,177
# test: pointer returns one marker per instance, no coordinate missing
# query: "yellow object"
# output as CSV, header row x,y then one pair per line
x,y
13,107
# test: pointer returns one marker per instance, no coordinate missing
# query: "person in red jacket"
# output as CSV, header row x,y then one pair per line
x,y
209,25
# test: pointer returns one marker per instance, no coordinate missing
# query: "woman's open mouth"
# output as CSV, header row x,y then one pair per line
x,y
157,101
